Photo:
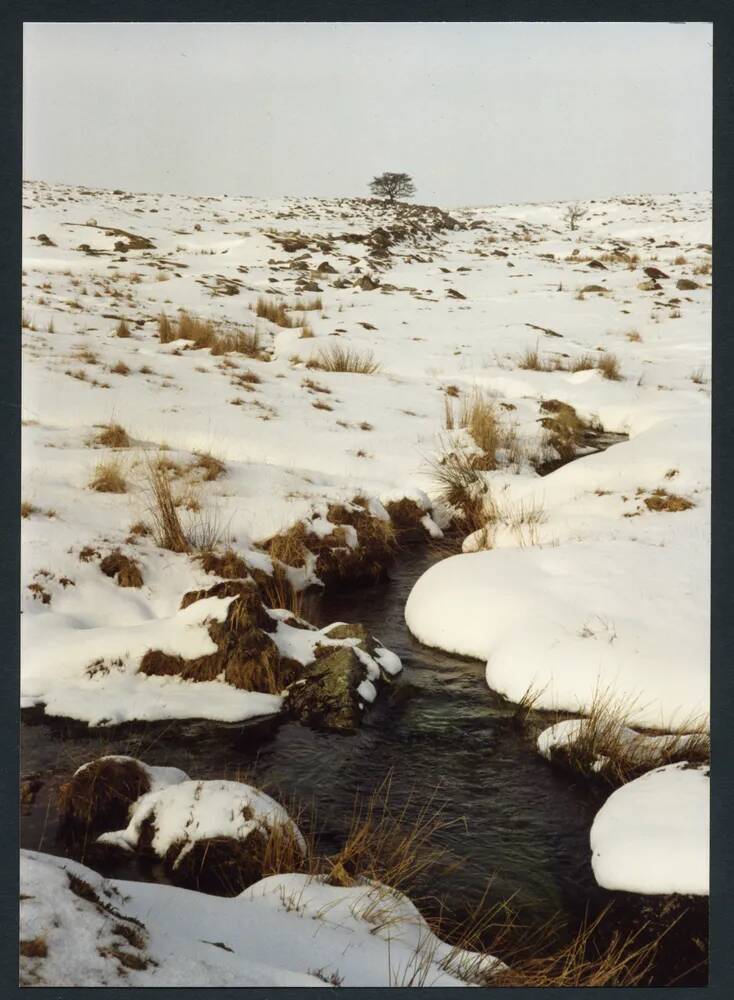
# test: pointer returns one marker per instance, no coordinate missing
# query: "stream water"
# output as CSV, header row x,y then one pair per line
x,y
441,735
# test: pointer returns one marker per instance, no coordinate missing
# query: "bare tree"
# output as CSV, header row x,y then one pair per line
x,y
573,214
392,186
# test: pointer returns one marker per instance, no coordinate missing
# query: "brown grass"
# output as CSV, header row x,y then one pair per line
x,y
212,468
98,798
34,948
460,484
274,311
27,508
109,477
277,591
661,500
122,329
167,529
120,369
532,360
584,362
166,330
608,365
113,435
341,358
603,738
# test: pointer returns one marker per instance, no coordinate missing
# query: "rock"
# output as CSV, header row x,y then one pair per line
x,y
45,240
649,286
325,696
594,288
686,285
310,286
655,273
597,264
453,294
211,835
368,284
326,268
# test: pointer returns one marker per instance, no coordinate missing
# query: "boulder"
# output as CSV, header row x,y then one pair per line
x,y
325,696
368,284
686,285
326,268
655,273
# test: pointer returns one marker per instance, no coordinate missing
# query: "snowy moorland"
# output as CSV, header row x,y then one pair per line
x,y
228,401
592,576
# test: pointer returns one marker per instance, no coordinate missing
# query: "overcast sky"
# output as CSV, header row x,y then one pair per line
x,y
476,113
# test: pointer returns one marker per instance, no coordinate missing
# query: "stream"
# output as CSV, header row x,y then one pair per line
x,y
441,736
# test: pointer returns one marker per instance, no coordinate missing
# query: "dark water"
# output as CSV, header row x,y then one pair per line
x,y
442,735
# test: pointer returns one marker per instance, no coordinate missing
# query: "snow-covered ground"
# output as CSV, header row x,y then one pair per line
x,y
602,591
79,929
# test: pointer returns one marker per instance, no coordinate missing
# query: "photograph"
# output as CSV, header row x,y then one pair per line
x,y
365,504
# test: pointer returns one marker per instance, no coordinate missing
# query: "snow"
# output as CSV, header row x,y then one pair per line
x,y
652,835
288,459
189,811
287,930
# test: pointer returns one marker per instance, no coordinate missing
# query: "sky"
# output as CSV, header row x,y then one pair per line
x,y
481,113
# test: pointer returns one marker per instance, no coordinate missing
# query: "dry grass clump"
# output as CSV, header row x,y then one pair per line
x,y
661,500
245,654
120,369
98,797
277,591
212,468
341,358
307,305
583,363
113,435
245,342
336,560
591,959
168,531
633,336
27,508
204,335
166,330
605,747
531,360
273,311
697,376
122,329
461,485
33,948
109,477
608,365
566,431
124,569
703,268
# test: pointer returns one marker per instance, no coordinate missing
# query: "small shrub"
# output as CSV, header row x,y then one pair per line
x,y
27,508
120,369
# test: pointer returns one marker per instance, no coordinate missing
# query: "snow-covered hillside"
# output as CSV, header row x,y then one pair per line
x,y
605,585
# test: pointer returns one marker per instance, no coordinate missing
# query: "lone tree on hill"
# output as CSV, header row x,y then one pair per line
x,y
392,186
573,215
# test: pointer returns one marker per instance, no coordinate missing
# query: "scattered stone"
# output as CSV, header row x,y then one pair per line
x,y
453,294
655,273
368,284
686,285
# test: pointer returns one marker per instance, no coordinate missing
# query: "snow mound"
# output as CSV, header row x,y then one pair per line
x,y
652,835
79,929
574,620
